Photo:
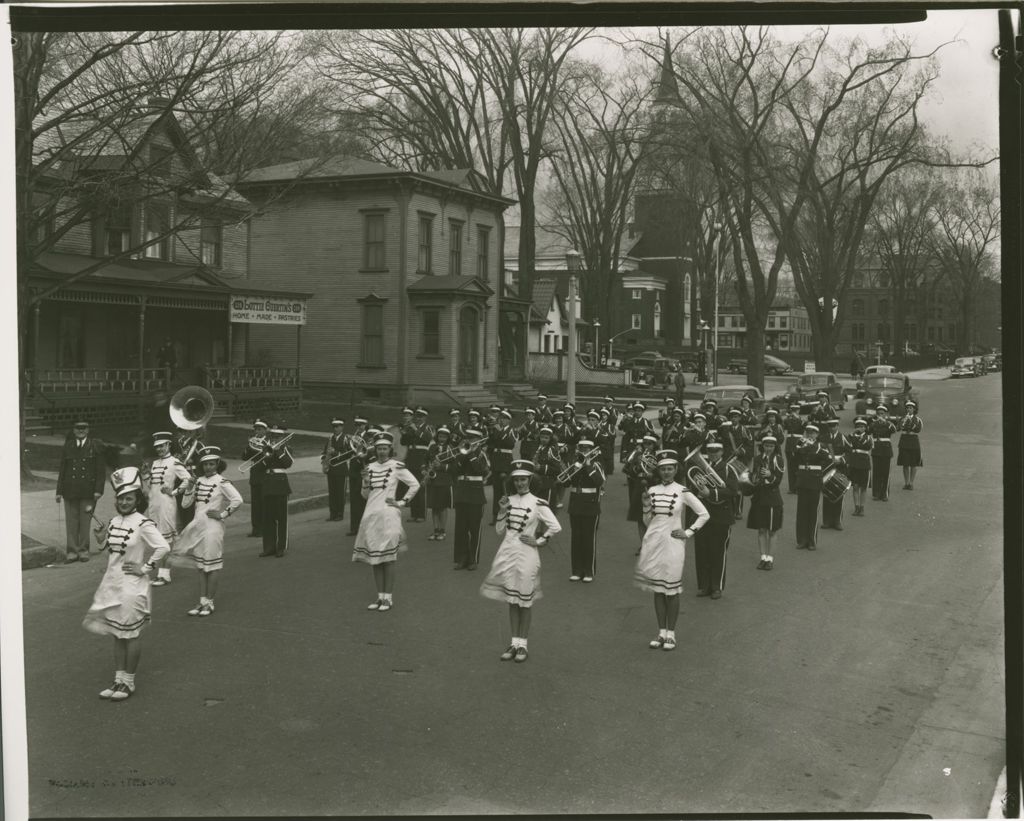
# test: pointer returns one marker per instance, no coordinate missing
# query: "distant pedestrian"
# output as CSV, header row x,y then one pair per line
x,y
525,522
79,487
659,569
202,541
121,605
680,385
167,356
856,367
381,536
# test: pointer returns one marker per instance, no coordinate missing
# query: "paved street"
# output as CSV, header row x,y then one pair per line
x,y
863,677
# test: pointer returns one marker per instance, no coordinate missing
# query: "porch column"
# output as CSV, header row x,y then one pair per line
x,y
34,379
142,345
298,362
231,330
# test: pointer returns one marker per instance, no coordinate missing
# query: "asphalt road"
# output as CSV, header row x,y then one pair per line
x,y
865,676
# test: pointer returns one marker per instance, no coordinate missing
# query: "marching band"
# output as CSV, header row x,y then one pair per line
x,y
689,489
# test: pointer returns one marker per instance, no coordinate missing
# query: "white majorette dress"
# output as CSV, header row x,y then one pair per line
x,y
381,536
201,543
660,566
515,573
163,508
121,605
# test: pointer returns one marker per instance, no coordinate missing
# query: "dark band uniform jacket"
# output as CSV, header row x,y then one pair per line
x,y
82,470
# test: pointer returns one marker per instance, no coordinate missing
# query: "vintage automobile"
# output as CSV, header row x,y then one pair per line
x,y
870,369
892,389
773,366
728,396
805,391
964,366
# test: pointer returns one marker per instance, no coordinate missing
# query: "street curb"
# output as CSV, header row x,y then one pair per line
x,y
307,503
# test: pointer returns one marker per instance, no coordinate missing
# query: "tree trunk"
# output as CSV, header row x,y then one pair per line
x,y
823,346
755,354
527,246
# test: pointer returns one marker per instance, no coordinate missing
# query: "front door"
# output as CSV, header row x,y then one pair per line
x,y
469,330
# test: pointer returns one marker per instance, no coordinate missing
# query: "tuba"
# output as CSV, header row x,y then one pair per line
x,y
191,408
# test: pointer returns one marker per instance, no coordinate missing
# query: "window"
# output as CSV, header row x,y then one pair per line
x,y
771,321
637,293
940,333
431,332
424,262
783,341
454,247
931,334
734,321
883,307
637,322
373,336
782,321
657,318
883,331
211,240
158,221
373,242
483,251
119,229
857,307
721,321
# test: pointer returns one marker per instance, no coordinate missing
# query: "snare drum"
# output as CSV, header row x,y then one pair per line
x,y
834,485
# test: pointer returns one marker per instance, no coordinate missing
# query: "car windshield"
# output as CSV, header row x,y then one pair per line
x,y
963,361
886,382
813,381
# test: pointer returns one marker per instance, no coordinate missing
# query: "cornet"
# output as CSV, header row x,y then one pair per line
x,y
470,448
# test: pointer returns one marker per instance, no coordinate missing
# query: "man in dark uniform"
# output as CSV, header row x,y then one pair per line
x,y
839,447
770,427
713,419
253,449
470,473
812,459
696,436
793,425
276,490
417,436
356,502
527,434
881,430
549,463
712,540
665,415
613,414
823,411
605,441
634,428
79,487
473,420
455,427
501,442
544,415
673,432
584,512
336,448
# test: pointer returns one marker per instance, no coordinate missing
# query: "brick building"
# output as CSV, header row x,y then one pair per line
x,y
405,270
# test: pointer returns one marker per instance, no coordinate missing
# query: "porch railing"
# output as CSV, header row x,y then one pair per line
x,y
234,379
71,381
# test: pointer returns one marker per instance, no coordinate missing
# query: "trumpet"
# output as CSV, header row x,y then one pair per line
x,y
470,448
567,475
268,449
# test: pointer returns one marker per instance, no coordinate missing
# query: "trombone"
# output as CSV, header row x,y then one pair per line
x,y
567,475
268,449
357,449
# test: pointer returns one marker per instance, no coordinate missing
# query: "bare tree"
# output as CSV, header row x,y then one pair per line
x,y
600,124
968,221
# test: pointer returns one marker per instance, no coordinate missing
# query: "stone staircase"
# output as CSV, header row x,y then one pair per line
x,y
519,394
472,397
35,424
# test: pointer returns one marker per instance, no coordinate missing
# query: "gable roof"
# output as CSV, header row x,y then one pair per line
x,y
451,283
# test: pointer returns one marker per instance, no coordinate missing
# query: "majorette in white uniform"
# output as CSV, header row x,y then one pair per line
x,y
202,541
515,573
164,472
660,566
381,536
121,605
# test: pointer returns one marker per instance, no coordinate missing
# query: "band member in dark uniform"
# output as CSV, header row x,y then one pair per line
x,y
665,415
586,485
336,448
276,490
747,417
549,463
417,436
673,432
697,435
909,457
356,502
501,442
812,459
839,447
765,514
794,427
641,470
79,487
859,462
613,414
455,427
527,434
438,480
605,441
470,471
634,428
544,415
712,417
770,426
823,411
881,430
712,541
253,448
565,434
473,420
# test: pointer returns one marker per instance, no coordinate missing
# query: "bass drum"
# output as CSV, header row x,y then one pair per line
x,y
834,485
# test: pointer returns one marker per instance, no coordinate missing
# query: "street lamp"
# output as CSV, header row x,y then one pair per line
x,y
572,263
718,263
703,327
597,343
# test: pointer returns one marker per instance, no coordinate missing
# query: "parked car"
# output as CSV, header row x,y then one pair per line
x,y
773,366
893,389
989,361
870,369
805,391
654,371
964,366
687,360
728,396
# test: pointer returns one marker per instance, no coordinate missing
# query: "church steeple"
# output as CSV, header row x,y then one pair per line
x,y
668,88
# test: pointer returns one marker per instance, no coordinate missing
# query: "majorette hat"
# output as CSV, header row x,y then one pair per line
x,y
523,464
808,428
546,430
441,430
259,423
745,398
521,471
735,410
542,398
494,408
821,394
81,423
795,406
671,399
710,401
667,453
384,439
769,439
125,480
860,420
668,460
638,406
337,420
882,406
680,411
208,453
726,424
559,412
832,422
421,411
586,442
372,432
472,412
162,437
